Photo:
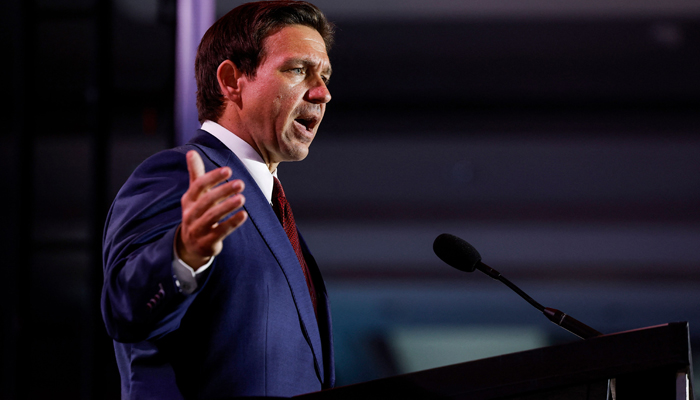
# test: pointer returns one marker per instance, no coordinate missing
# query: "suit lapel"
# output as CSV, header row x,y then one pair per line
x,y
263,217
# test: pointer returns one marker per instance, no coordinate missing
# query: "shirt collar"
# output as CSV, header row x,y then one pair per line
x,y
248,156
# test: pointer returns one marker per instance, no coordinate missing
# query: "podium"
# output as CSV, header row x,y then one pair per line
x,y
650,363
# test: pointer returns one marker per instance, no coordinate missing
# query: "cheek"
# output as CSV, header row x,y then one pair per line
x,y
285,105
277,110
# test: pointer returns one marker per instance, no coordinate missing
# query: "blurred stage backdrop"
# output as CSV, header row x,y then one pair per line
x,y
560,138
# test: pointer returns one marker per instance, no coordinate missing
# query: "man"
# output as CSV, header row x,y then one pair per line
x,y
207,293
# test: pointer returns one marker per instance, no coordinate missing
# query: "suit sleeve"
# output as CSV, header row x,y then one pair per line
x,y
140,295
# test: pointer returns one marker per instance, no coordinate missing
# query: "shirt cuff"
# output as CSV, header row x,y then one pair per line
x,y
186,278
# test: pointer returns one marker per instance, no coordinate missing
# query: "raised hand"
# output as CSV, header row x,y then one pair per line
x,y
204,205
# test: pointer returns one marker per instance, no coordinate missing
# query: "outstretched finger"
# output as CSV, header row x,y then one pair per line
x,y
215,213
209,243
225,228
195,165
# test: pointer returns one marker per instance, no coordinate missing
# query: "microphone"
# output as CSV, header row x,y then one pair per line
x,y
461,255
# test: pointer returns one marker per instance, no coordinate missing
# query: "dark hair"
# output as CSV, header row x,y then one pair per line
x,y
239,35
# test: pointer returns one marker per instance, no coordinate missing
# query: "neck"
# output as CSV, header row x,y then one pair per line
x,y
230,124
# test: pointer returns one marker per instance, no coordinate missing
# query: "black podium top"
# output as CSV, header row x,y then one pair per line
x,y
653,361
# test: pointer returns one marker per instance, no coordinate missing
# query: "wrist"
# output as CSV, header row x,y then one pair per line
x,y
194,261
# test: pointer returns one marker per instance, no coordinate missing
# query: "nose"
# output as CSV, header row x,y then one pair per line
x,y
319,93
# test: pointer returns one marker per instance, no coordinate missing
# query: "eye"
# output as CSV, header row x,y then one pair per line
x,y
325,79
298,71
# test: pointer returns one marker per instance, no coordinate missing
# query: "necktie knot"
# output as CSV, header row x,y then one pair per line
x,y
279,201
277,191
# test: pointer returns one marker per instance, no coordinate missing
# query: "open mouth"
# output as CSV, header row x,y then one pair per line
x,y
307,122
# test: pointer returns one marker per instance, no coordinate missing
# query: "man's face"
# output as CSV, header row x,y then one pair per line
x,y
282,106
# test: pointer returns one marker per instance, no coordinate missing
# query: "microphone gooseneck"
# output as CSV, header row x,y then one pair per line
x,y
459,254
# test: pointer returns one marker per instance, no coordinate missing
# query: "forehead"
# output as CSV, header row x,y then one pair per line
x,y
296,41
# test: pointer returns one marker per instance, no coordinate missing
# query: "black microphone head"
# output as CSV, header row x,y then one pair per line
x,y
456,252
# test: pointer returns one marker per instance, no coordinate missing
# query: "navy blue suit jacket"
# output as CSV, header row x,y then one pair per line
x,y
248,330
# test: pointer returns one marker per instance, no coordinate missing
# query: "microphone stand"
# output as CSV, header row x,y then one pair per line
x,y
565,321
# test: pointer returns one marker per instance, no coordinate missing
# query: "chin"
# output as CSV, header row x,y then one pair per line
x,y
300,156
297,154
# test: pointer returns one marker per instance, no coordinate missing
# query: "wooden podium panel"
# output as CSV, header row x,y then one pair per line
x,y
649,363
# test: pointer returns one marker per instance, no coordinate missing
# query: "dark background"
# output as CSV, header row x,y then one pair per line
x,y
564,143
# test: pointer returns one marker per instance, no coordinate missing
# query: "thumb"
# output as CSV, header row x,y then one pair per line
x,y
195,165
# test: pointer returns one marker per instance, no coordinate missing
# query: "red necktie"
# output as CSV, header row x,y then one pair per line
x,y
284,213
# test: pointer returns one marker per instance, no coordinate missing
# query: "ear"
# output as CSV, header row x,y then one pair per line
x,y
228,76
